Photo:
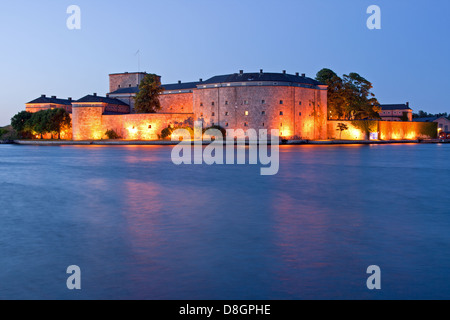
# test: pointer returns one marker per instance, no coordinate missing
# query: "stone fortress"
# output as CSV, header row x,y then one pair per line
x,y
294,104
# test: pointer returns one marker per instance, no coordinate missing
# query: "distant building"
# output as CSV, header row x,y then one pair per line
x,y
110,106
45,103
443,123
396,112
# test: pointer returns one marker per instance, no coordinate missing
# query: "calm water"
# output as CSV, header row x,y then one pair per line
x,y
142,228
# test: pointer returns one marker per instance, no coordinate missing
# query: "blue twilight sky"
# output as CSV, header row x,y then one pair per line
x,y
407,60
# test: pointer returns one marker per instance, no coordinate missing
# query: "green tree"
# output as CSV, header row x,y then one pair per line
x,y
39,123
341,127
2,132
349,97
361,102
336,93
147,99
58,120
21,122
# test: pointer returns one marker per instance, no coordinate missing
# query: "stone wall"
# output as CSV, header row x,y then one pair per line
x,y
388,130
176,103
143,126
124,80
87,122
395,130
295,111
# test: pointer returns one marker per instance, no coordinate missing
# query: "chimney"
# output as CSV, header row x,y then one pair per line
x,y
297,74
303,75
107,95
261,71
201,80
407,104
95,94
241,71
53,97
284,71
179,81
43,96
70,98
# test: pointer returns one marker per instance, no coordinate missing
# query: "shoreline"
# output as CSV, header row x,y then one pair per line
x,y
172,143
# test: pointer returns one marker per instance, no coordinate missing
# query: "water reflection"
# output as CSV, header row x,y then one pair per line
x,y
141,227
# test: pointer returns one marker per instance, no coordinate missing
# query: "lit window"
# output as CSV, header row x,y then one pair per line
x,y
246,113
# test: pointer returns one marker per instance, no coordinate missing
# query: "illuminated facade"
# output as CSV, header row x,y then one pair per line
x,y
45,103
294,104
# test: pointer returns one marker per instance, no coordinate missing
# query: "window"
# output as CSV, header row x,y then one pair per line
x,y
263,102
201,104
226,103
245,124
226,124
227,113
246,113
201,115
263,124
281,113
281,101
245,101
213,114
212,103
300,103
263,113
281,124
212,123
300,114
149,126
